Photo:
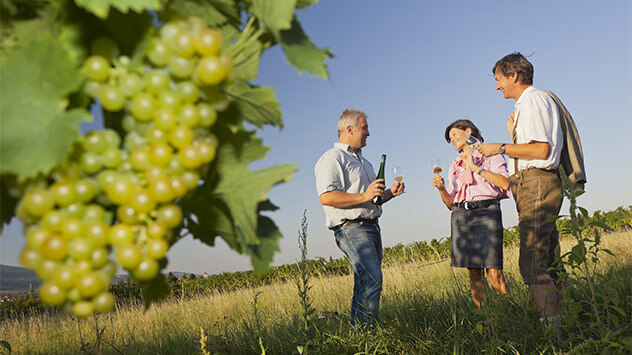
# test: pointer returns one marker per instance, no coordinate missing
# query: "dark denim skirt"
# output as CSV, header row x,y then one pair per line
x,y
477,237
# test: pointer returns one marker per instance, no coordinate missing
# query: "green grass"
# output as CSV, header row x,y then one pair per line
x,y
426,308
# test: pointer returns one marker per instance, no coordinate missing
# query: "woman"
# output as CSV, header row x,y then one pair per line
x,y
476,185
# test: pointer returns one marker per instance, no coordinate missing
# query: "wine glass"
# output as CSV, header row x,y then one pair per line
x,y
398,173
473,142
436,166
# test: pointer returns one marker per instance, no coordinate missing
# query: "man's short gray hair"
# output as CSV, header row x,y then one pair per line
x,y
349,117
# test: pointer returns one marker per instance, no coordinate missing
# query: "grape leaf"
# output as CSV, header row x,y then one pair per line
x,y
247,61
229,202
36,131
101,8
214,12
256,104
154,290
302,53
7,202
300,4
274,15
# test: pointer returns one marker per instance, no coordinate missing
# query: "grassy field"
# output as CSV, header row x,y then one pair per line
x,y
426,308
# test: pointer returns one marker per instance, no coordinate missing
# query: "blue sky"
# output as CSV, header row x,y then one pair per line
x,y
414,67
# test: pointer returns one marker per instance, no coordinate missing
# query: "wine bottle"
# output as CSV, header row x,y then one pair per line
x,y
377,200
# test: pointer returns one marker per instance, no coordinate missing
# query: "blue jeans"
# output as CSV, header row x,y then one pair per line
x,y
362,244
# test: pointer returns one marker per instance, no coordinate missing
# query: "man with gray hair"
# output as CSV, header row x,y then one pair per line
x,y
346,184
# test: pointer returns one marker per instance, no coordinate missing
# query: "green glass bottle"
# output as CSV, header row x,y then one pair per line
x,y
377,200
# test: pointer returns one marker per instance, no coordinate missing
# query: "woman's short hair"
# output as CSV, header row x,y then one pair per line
x,y
515,63
349,117
463,124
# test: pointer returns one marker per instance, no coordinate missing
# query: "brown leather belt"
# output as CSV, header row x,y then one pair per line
x,y
352,221
470,205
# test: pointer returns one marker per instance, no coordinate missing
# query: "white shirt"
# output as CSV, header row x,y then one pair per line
x,y
538,120
340,168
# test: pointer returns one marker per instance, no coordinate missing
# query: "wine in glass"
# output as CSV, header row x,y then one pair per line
x,y
436,166
398,173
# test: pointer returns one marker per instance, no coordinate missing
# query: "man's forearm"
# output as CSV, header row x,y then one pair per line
x,y
342,199
529,151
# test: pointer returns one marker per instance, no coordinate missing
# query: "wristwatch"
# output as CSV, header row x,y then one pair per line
x,y
501,149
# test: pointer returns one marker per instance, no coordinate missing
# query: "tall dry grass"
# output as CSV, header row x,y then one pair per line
x,y
426,308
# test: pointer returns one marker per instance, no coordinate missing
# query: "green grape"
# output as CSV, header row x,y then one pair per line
x,y
211,71
143,106
46,268
160,189
109,269
195,25
128,123
133,141
111,158
106,177
99,257
112,138
156,81
189,115
179,186
72,228
208,43
121,234
94,142
169,100
63,193
65,276
82,309
126,214
90,284
73,296
215,97
93,212
52,294
207,151
188,91
71,172
80,248
189,157
153,172
104,47
208,115
85,189
111,98
120,190
75,210
142,202
82,266
170,215
156,230
157,248
103,302
129,256
156,135
130,84
227,61
55,248
160,154
53,220
158,53
165,119
183,44
191,179
30,258
91,162
38,201
97,68
35,237
140,159
180,67
147,269
97,231
181,137
91,88
169,31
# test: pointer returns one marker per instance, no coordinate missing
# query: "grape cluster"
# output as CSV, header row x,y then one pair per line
x,y
113,203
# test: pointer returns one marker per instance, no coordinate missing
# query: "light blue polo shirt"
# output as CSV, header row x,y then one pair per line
x,y
340,168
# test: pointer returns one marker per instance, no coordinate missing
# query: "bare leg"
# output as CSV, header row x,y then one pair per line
x,y
478,286
496,280
546,298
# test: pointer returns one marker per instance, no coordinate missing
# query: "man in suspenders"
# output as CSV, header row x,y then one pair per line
x,y
534,157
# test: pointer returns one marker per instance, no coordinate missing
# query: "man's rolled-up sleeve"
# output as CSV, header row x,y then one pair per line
x,y
329,175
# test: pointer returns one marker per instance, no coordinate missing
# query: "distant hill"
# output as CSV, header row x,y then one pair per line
x,y
18,279
13,278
